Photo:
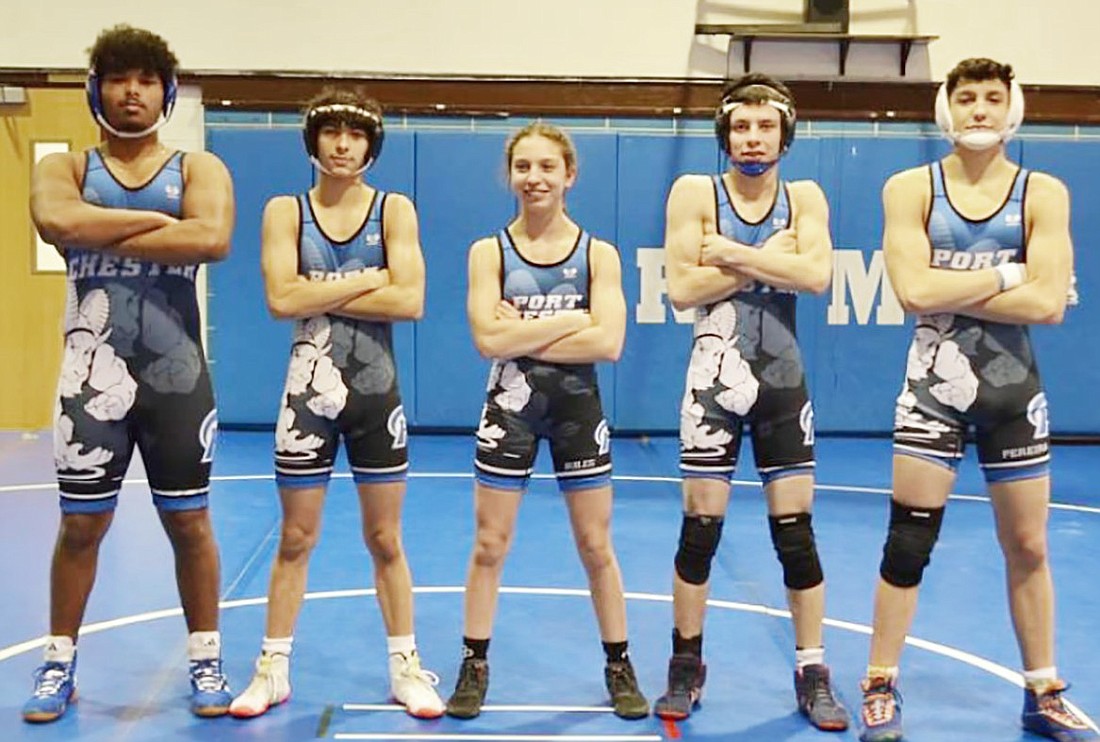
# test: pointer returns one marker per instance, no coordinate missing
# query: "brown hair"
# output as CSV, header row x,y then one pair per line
x,y
344,106
979,69
747,89
548,131
354,96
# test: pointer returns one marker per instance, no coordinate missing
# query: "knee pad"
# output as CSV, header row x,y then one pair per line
x,y
793,538
699,537
913,533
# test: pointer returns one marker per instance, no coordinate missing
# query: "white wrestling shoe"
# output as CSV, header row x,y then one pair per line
x,y
270,686
414,687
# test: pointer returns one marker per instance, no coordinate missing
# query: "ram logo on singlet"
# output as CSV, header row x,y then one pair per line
x,y
806,422
398,428
861,290
1038,414
603,437
208,435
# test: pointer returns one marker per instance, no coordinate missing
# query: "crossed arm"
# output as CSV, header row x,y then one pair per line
x,y
1041,299
290,295
500,333
805,265
603,340
689,216
377,294
201,235
401,296
922,289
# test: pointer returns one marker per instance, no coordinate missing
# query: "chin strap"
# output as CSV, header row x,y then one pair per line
x,y
317,164
102,121
754,168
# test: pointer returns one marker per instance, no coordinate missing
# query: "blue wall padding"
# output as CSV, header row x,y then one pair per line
x,y
458,181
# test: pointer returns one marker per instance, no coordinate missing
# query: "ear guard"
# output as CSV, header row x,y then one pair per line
x,y
94,95
735,98
981,139
347,115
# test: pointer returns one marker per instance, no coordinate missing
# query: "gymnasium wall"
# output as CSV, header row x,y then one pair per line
x,y
1050,43
853,337
33,284
30,325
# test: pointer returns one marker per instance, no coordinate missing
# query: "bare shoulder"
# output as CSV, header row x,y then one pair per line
x,y
908,182
484,263
1046,187
806,193
400,201
281,208
805,187
398,212
603,247
61,164
691,198
204,165
483,246
692,184
604,252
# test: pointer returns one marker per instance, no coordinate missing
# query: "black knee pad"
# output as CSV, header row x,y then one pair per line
x,y
793,538
699,537
913,533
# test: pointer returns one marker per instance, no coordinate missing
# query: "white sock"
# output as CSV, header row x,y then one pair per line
x,y
1040,676
59,649
890,672
277,646
809,656
403,645
204,645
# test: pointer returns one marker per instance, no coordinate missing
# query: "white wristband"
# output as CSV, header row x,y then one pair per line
x,y
1011,275
1072,297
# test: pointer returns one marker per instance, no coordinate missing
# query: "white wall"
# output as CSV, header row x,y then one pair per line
x,y
619,38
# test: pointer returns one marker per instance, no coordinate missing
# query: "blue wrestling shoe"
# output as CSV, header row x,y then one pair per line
x,y
1046,714
54,690
816,699
210,694
881,712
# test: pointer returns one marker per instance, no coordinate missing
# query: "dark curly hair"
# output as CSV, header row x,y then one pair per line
x,y
122,48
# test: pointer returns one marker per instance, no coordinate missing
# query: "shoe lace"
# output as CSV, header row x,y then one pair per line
x,y
265,664
879,703
1052,706
414,672
621,679
820,690
469,675
207,676
49,678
